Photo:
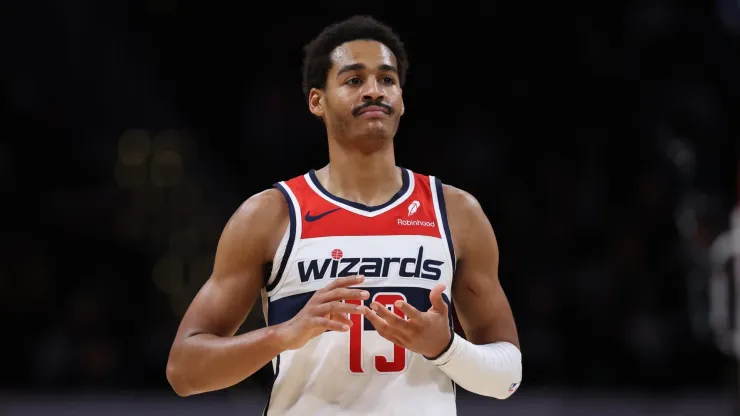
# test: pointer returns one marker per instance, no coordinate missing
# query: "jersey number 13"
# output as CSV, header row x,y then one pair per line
x,y
382,365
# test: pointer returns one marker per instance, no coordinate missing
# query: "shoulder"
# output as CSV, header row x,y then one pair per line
x,y
260,220
465,216
459,200
263,208
463,209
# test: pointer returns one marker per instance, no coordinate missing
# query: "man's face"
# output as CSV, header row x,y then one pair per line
x,y
363,97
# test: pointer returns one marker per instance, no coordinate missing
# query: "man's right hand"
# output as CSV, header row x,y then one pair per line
x,y
324,311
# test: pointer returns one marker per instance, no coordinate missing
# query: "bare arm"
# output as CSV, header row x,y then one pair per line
x,y
480,301
205,355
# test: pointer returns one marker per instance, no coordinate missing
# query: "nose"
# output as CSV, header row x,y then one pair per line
x,y
372,92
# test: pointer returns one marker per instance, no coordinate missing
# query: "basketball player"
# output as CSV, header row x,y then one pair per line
x,y
366,257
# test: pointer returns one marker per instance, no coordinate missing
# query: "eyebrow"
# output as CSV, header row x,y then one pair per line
x,y
357,67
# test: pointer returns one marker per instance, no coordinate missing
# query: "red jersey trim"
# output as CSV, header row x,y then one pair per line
x,y
321,215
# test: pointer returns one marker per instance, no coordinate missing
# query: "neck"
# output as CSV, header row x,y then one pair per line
x,y
366,177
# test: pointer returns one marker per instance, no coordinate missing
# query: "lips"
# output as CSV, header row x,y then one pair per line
x,y
374,109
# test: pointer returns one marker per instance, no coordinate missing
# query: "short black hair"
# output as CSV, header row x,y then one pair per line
x,y
317,59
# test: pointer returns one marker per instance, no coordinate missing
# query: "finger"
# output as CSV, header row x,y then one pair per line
x,y
325,323
395,327
390,317
341,318
411,312
341,294
337,308
382,327
438,303
345,281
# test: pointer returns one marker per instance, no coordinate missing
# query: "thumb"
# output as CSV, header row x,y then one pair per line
x,y
435,296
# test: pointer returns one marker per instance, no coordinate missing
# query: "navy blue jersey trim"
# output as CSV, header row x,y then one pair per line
x,y
291,238
445,225
356,205
267,272
284,309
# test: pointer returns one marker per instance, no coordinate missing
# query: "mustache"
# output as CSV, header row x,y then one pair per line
x,y
367,104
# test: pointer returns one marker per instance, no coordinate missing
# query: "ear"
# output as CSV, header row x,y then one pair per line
x,y
316,102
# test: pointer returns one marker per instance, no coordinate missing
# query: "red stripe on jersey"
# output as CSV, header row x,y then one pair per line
x,y
321,218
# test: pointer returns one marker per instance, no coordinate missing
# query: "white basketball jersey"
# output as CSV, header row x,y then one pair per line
x,y
403,248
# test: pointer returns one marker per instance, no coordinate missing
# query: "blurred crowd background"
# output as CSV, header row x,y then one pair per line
x,y
602,140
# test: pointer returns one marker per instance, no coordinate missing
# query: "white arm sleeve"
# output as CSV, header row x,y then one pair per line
x,y
493,370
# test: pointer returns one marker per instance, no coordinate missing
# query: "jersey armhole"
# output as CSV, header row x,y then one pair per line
x,y
285,250
440,210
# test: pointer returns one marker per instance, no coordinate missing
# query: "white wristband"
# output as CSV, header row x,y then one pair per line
x,y
493,370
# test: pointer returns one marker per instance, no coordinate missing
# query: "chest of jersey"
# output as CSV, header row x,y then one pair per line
x,y
400,244
403,248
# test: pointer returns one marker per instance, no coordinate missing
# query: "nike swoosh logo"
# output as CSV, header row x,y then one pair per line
x,y
312,218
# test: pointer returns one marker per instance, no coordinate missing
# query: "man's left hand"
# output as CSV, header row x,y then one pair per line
x,y
427,333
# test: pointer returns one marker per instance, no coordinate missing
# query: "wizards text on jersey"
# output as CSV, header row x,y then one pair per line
x,y
338,265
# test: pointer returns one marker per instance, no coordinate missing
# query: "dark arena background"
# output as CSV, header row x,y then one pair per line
x,y
602,140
